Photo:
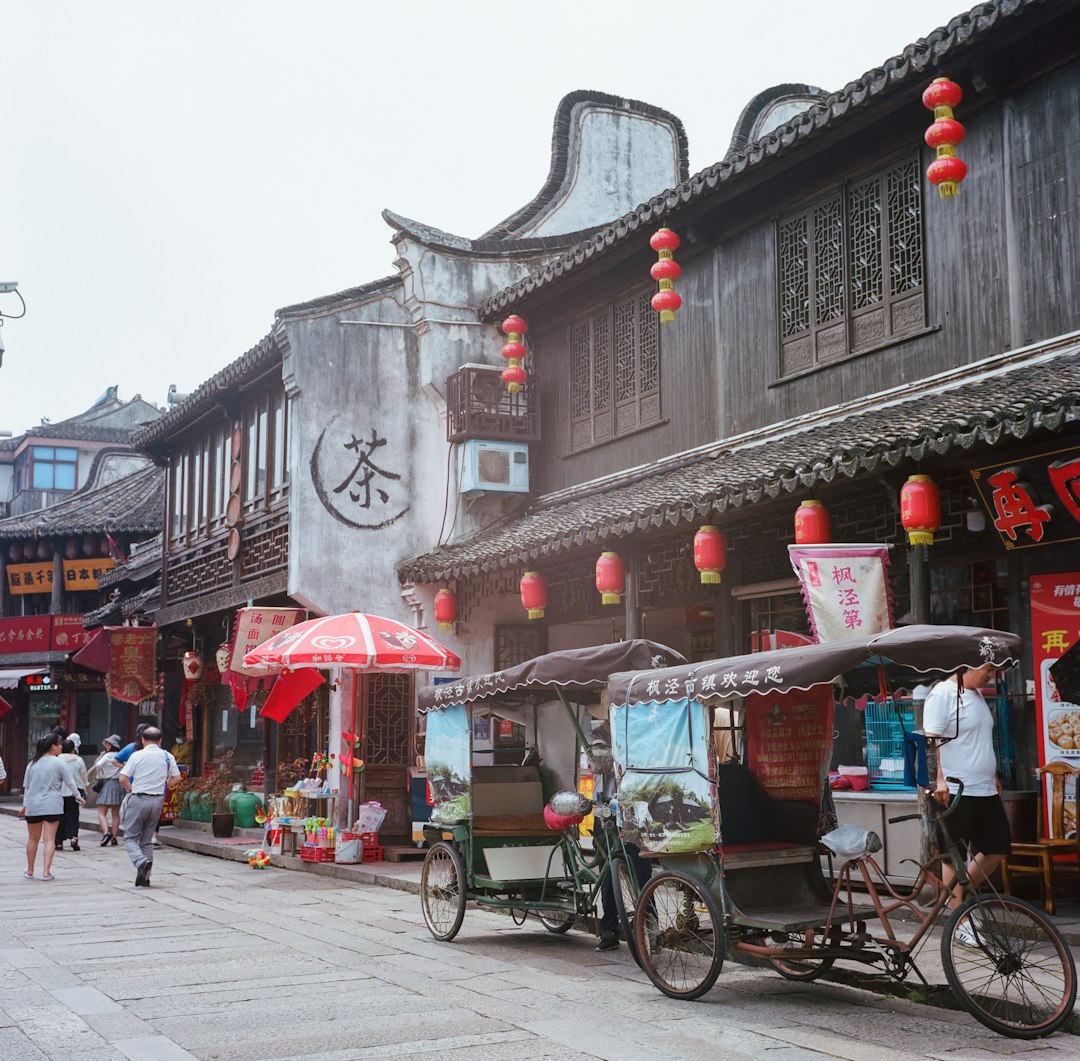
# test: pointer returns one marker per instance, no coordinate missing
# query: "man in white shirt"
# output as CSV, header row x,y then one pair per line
x,y
145,777
958,714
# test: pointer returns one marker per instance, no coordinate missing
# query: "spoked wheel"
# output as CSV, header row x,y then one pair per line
x,y
555,921
802,968
626,892
1008,966
679,933
442,891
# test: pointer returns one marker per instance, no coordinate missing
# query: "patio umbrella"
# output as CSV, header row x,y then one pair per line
x,y
353,641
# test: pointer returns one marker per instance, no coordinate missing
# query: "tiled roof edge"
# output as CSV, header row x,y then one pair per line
x,y
338,300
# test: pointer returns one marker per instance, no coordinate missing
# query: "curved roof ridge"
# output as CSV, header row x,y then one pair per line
x,y
338,299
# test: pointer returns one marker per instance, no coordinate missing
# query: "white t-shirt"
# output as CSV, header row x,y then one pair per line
x,y
970,755
149,768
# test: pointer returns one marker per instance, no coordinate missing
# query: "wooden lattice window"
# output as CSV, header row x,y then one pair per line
x,y
614,372
389,714
851,270
515,643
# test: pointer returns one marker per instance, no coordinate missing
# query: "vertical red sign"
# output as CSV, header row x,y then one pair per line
x,y
1055,627
788,737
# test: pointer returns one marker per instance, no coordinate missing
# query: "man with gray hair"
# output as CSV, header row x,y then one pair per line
x,y
146,777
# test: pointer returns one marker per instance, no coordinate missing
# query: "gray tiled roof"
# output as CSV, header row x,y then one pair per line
x,y
1004,397
134,504
914,64
244,368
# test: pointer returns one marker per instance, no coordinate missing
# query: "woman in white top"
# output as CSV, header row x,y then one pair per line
x,y
69,824
107,769
45,784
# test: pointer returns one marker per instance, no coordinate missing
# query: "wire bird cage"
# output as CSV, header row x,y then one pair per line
x,y
886,723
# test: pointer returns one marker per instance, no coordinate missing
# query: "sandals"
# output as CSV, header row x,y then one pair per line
x,y
74,845
47,876
28,876
112,839
105,839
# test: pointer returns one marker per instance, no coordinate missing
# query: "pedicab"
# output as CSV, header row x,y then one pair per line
x,y
506,836
721,768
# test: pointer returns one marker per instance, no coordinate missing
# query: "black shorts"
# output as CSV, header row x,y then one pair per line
x,y
33,819
981,822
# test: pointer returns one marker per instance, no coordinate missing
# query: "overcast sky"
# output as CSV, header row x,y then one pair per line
x,y
172,173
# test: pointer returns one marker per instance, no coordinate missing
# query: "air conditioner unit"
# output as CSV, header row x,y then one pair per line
x,y
494,466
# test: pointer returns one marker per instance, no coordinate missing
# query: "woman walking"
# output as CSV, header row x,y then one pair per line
x,y
69,826
45,784
106,771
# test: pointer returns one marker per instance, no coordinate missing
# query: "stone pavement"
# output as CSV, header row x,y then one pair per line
x,y
220,961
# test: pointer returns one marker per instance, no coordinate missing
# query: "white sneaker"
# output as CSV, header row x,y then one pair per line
x,y
155,842
964,934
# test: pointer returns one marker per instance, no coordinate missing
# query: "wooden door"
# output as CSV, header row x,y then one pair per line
x,y
386,709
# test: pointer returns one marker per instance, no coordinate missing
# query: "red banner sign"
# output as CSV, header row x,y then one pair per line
x,y
1035,501
27,634
68,634
132,657
788,737
1055,626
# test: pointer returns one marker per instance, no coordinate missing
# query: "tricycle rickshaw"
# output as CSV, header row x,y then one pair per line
x,y
495,837
720,769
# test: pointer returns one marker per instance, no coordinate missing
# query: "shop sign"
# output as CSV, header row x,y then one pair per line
x,y
132,657
68,634
788,736
253,627
30,578
84,574
29,633
1035,501
846,589
1055,627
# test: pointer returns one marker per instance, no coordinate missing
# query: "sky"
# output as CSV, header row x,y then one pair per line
x,y
172,173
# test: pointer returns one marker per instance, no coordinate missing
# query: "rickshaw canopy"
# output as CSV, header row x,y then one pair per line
x,y
573,670
924,648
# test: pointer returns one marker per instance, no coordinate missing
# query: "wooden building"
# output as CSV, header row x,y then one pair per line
x,y
842,327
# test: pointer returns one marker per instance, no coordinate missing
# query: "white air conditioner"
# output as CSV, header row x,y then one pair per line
x,y
494,466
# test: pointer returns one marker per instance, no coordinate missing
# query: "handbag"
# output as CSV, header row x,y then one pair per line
x,y
98,785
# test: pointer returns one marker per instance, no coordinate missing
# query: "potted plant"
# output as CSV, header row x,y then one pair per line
x,y
216,792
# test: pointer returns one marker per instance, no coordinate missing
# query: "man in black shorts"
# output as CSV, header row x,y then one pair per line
x,y
956,712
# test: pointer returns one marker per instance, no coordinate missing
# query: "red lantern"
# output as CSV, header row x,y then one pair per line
x,y
533,594
223,657
446,609
43,550
514,327
946,171
71,548
610,578
666,270
812,524
193,666
920,509
15,552
710,554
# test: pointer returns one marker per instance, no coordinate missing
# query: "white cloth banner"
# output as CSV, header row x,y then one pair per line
x,y
846,589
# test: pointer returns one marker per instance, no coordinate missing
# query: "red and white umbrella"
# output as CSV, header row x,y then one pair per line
x,y
355,641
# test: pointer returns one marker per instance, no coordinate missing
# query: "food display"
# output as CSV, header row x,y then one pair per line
x,y
1063,729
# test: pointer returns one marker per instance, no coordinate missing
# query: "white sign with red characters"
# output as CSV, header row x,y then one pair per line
x,y
846,589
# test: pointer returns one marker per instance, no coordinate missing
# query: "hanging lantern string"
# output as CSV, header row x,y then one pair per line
x,y
514,328
666,300
946,171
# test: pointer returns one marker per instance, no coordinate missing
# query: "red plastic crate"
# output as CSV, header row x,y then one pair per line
x,y
371,853
369,839
311,853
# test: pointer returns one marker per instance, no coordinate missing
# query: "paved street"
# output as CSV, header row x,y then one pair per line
x,y
219,961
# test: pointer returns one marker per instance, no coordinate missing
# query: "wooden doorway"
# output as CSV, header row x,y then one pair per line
x,y
385,711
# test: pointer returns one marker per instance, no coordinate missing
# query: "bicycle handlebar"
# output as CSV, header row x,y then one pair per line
x,y
941,814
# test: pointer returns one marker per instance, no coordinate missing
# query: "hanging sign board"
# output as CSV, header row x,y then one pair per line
x,y
30,578
1035,501
846,589
253,627
132,657
24,634
84,574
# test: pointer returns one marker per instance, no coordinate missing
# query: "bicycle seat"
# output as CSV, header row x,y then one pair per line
x,y
850,842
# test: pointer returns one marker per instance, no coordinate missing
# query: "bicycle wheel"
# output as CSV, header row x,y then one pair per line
x,y
1015,974
804,969
679,933
626,889
555,921
442,891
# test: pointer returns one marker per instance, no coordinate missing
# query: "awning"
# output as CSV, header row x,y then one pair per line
x,y
5,707
1007,396
94,655
9,679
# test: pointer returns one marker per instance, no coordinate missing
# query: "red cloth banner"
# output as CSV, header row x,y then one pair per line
x,y
253,627
132,663
788,738
290,688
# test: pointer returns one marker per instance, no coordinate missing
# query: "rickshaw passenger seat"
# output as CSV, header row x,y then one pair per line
x,y
508,801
